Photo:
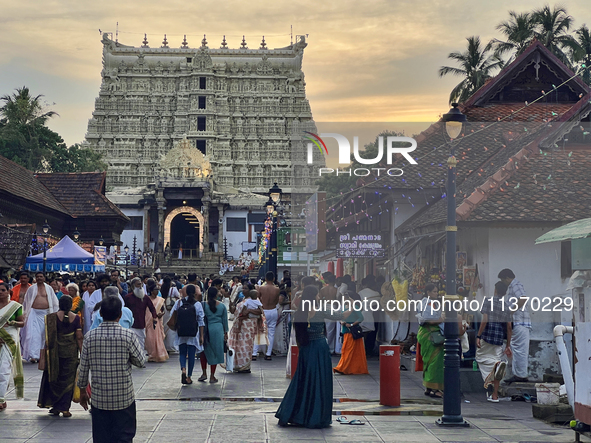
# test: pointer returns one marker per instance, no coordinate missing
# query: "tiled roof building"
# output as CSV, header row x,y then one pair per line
x,y
68,202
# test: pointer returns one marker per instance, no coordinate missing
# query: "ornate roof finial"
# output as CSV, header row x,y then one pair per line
x,y
243,44
263,44
145,42
185,44
164,42
204,42
224,44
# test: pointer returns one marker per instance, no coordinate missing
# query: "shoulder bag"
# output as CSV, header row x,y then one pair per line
x,y
356,331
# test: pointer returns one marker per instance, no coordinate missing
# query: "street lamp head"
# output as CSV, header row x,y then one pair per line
x,y
275,193
454,121
76,234
46,227
126,249
139,252
101,241
270,206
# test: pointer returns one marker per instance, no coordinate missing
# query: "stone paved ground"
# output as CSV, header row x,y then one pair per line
x,y
241,407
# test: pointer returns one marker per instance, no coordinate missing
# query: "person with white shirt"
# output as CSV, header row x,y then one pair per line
x,y
521,326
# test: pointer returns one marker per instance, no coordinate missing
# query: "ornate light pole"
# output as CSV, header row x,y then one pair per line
x,y
46,229
126,249
274,199
138,263
452,406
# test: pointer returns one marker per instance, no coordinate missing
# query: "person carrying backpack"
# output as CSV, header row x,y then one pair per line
x,y
187,316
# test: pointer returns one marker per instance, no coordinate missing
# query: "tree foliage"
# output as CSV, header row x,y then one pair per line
x,y
26,140
477,65
550,26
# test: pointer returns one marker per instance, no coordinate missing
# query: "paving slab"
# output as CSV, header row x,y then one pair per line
x,y
241,408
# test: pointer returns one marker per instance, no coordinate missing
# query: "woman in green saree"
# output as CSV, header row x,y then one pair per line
x,y
11,318
431,352
63,340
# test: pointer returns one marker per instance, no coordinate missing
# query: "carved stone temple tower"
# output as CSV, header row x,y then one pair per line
x,y
201,134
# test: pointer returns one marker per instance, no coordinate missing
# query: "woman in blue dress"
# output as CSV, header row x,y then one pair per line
x,y
308,400
217,333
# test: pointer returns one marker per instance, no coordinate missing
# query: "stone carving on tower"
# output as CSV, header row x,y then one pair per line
x,y
184,161
238,108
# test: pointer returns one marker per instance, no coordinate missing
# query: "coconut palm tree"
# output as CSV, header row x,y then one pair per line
x,y
552,27
23,134
519,32
476,66
584,54
21,108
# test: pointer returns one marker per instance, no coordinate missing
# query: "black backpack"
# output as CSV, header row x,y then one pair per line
x,y
186,321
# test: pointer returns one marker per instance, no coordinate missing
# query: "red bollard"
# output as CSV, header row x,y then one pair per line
x,y
294,359
390,375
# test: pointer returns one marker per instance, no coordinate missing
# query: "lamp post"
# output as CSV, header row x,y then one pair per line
x,y
46,229
138,264
145,260
76,234
452,406
274,199
126,249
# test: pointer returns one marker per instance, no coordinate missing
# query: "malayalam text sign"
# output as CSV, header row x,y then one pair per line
x,y
361,245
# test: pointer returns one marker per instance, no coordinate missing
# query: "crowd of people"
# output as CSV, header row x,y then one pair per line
x,y
109,324
502,333
114,324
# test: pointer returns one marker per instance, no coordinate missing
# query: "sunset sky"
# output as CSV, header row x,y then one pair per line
x,y
368,61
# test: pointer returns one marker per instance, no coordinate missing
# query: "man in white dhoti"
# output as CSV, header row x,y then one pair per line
x,y
40,300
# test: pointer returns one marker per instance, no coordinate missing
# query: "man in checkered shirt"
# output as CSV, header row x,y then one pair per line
x,y
108,352
490,354
521,326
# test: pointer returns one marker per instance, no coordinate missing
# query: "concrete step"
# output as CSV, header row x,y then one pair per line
x,y
517,388
560,413
470,380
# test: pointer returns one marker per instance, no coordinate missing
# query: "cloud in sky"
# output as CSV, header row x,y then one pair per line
x,y
374,60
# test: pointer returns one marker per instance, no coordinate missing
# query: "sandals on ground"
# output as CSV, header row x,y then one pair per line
x,y
345,421
436,393
254,358
189,381
183,378
66,414
268,357
213,380
202,378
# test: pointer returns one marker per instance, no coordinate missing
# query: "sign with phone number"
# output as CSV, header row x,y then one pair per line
x,y
361,245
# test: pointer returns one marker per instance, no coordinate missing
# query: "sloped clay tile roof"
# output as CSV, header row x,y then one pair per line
x,y
81,193
514,179
18,181
549,187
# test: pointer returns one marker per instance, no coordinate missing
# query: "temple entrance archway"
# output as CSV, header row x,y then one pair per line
x,y
185,212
